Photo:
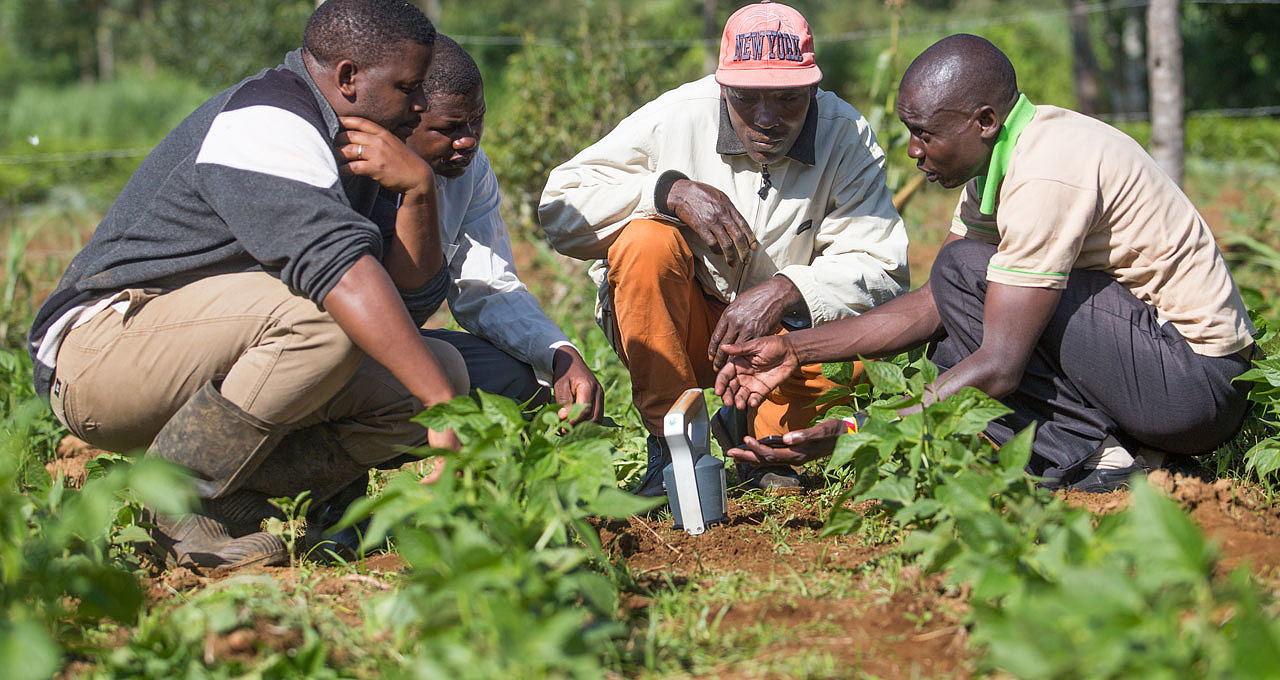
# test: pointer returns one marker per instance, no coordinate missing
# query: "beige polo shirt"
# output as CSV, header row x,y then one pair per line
x,y
1065,191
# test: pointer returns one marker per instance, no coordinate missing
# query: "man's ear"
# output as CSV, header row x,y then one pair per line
x,y
345,73
989,122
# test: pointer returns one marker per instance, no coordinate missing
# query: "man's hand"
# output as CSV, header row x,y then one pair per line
x,y
711,215
573,383
757,367
443,440
754,313
367,149
802,446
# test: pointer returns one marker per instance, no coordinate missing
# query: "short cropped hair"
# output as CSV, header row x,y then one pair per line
x,y
453,71
368,32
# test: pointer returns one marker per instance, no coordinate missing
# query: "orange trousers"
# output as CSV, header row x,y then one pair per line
x,y
663,322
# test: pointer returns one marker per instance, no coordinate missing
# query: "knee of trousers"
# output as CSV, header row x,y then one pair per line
x,y
959,275
451,361
316,341
648,248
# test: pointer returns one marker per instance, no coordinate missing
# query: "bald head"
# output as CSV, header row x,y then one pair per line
x,y
962,72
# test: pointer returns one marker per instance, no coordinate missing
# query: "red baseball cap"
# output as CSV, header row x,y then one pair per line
x,y
767,44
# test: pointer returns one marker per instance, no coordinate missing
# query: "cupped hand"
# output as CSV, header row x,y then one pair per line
x,y
754,369
367,149
573,383
800,446
712,216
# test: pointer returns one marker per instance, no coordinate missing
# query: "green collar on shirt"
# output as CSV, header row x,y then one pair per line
x,y
989,186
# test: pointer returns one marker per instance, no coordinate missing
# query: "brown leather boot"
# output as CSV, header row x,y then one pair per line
x,y
201,540
222,445
312,459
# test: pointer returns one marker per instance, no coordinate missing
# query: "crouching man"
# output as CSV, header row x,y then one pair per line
x,y
511,347
249,307
1079,286
722,211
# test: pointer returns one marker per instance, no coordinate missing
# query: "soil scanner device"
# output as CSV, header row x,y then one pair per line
x,y
695,479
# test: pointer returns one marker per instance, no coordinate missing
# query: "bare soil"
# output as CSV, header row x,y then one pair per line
x,y
1237,517
914,631
72,456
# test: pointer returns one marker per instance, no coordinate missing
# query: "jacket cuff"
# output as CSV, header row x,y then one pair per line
x,y
802,277
543,371
423,302
663,188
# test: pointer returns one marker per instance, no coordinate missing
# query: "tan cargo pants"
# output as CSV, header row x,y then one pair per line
x,y
120,377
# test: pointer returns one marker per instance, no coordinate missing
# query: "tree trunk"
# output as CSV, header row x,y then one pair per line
x,y
711,31
1084,65
105,42
1164,65
1134,65
147,14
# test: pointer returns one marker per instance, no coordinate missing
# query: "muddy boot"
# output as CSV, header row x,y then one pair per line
x,y
201,540
312,460
222,445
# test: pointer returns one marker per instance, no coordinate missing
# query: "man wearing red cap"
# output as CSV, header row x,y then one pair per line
x,y
727,209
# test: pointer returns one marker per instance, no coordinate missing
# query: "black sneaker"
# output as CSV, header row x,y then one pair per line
x,y
344,543
1106,481
778,479
729,426
659,457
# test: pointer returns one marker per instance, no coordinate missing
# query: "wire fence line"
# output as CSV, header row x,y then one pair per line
x,y
975,22
86,156
73,156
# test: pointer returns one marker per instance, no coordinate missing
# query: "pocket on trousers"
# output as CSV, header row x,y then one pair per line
x,y
62,400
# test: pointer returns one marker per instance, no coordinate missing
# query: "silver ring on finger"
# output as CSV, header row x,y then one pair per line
x,y
360,151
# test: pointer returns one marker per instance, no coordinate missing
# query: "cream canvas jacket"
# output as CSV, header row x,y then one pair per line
x,y
828,223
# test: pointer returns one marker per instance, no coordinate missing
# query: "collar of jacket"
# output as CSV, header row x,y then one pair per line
x,y
728,144
293,62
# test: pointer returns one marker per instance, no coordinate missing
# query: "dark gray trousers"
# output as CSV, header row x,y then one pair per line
x,y
493,370
1105,365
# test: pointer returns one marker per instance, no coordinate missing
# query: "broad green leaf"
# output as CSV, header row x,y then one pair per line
x,y
1016,453
1171,546
510,411
840,373
833,395
1264,457
1264,371
886,376
975,420
614,502
847,445
891,490
106,592
132,534
841,522
27,652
